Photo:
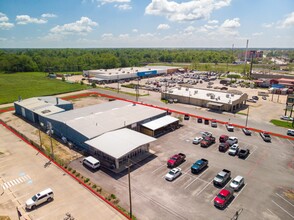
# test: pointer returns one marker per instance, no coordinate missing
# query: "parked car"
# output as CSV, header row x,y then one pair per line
x,y
199,120
173,174
176,160
255,97
223,138
207,141
237,183
186,117
223,147
251,100
232,140
206,121
265,136
46,195
206,134
213,123
199,165
286,118
234,149
246,131
230,127
222,178
264,97
243,153
197,140
290,132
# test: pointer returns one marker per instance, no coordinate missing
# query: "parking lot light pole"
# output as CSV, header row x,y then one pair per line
x,y
247,116
129,180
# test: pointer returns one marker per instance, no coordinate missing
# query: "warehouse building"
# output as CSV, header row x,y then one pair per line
x,y
129,73
221,101
33,109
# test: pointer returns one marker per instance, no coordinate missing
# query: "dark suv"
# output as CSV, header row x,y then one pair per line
x,y
223,147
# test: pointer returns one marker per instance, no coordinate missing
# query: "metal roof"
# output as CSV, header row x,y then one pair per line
x,y
120,142
48,110
160,122
98,119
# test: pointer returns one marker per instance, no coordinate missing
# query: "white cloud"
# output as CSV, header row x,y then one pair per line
x,y
231,24
268,25
107,36
6,25
212,22
103,2
185,11
82,26
135,30
288,21
3,17
123,7
210,26
48,15
163,27
26,19
189,29
3,39
123,36
257,34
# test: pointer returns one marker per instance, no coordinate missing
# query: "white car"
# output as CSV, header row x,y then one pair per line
x,y
286,118
206,134
230,127
197,140
173,174
234,149
232,140
237,183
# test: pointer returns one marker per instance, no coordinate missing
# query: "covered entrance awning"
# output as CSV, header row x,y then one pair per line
x,y
215,104
160,125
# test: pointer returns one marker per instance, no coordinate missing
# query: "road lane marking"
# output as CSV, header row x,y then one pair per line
x,y
282,209
285,199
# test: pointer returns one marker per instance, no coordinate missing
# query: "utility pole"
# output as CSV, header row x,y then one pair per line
x,y
247,116
245,58
129,180
40,138
137,90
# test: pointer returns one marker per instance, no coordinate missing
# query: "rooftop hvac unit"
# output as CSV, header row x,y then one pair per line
x,y
232,95
195,92
212,96
227,95
187,89
229,101
170,91
179,88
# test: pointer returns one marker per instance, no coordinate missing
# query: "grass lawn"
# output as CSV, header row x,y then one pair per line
x,y
32,84
285,124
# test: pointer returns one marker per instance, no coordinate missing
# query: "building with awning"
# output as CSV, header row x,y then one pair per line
x,y
223,101
160,126
120,145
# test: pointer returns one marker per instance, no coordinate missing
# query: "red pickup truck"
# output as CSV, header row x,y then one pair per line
x,y
207,141
222,199
176,160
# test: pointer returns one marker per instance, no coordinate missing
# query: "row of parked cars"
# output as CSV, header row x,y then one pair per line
x,y
225,195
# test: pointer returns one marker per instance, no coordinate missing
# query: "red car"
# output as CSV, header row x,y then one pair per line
x,y
207,141
223,138
176,160
222,199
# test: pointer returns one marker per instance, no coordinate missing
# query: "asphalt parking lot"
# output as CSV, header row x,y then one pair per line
x,y
25,172
268,172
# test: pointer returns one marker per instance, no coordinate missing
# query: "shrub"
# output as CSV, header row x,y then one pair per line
x,y
69,169
113,196
86,180
78,174
94,186
93,85
74,171
99,189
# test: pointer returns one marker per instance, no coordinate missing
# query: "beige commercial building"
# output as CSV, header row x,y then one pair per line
x,y
222,101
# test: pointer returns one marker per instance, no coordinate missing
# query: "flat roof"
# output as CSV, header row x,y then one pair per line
x,y
119,142
208,95
40,102
48,110
160,122
95,120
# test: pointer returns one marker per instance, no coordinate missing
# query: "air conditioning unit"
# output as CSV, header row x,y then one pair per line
x,y
187,89
227,95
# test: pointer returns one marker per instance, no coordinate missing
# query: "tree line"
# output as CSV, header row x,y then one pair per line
x,y
70,60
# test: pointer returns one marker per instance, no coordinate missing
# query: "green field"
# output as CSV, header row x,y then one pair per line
x,y
285,124
30,84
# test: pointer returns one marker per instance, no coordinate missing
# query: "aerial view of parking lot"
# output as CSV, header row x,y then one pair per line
x,y
146,110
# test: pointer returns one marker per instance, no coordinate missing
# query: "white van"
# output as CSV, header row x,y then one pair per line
x,y
91,162
46,195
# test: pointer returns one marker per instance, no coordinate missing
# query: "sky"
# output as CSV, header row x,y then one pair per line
x,y
146,23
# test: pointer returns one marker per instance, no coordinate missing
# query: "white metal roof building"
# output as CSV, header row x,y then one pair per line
x,y
223,101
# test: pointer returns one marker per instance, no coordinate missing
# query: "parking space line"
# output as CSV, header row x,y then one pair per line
x,y
271,212
285,199
282,209
158,168
255,147
290,141
204,188
238,195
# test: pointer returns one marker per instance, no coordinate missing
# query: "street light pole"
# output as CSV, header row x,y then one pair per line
x,y
247,116
130,195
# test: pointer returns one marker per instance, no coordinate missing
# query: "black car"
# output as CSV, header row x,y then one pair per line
x,y
243,153
223,147
246,131
255,97
206,121
199,120
186,117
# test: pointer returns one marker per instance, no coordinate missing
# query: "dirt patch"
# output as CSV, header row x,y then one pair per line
x,y
289,193
87,101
